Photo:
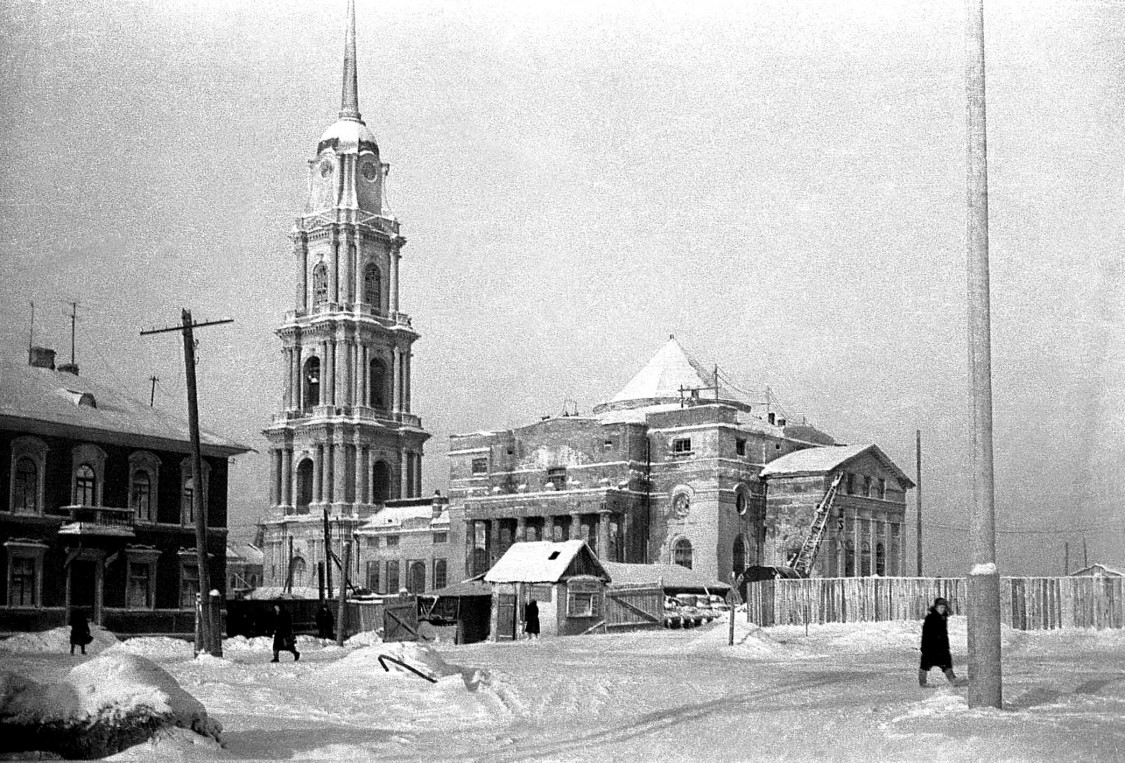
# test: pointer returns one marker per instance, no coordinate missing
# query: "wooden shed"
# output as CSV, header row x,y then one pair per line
x,y
565,579
465,605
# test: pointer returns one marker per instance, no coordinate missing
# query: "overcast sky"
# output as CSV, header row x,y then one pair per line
x,y
779,184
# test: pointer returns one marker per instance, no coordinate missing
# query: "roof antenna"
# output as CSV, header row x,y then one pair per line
x,y
570,408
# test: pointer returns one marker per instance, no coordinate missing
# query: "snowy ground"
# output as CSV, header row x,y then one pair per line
x,y
843,692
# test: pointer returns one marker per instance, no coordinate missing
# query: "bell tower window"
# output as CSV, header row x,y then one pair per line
x,y
378,383
312,382
372,285
320,284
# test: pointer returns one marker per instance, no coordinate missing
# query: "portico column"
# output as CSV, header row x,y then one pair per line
x,y
302,260
362,398
396,360
575,525
335,285
287,381
402,487
603,536
394,279
364,474
406,382
325,373
340,473
298,397
286,475
274,464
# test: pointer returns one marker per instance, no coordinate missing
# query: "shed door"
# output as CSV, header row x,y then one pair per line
x,y
505,617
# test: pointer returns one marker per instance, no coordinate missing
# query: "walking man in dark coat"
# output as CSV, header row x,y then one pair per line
x,y
531,619
283,640
79,630
324,622
935,644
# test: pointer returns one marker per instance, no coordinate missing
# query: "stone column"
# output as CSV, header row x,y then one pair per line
x,y
334,285
330,388
339,472
362,397
275,465
301,250
521,529
406,382
364,474
325,373
603,536
395,370
394,257
575,525
286,476
401,476
417,474
329,476
298,399
287,380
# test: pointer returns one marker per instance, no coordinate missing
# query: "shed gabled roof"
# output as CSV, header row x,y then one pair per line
x,y
824,459
670,576
543,562
36,399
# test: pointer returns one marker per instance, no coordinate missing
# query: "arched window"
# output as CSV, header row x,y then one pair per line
x,y
304,486
849,559
297,572
681,553
85,486
440,575
880,560
738,554
320,284
372,285
25,492
865,562
380,482
187,502
378,384
740,503
312,382
416,580
140,495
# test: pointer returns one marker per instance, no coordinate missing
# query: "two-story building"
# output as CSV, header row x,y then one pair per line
x,y
96,505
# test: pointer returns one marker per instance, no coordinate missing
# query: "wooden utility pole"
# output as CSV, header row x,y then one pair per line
x,y
984,577
212,639
327,554
342,604
73,321
918,495
152,392
1066,558
1085,559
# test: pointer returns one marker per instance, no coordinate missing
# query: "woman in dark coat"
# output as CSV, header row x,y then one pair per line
x,y
283,640
935,644
531,619
79,630
324,622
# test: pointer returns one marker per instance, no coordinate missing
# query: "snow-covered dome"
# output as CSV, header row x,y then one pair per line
x,y
348,136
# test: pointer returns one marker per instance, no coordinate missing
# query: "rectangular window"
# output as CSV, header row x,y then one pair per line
x,y
441,537
392,541
480,466
187,508
138,588
740,446
608,445
882,489
681,445
189,585
440,577
582,601
373,576
867,486
849,484
21,588
556,475
392,577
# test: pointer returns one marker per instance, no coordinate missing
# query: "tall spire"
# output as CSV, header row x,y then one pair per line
x,y
349,101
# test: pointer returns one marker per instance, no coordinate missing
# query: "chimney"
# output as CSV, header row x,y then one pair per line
x,y
773,418
68,368
41,357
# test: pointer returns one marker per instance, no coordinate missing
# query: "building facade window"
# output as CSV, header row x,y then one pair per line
x,y
298,572
865,561
867,486
311,380
416,580
880,560
372,286
140,496
85,486
740,446
378,383
479,466
392,576
141,585
28,469
25,573
882,489
188,486
849,559
556,477
380,482
681,445
681,553
187,502
583,598
189,584
440,573
849,484
441,537
320,284
373,577
738,556
304,485
392,541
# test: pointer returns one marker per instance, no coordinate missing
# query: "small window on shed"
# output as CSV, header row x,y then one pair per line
x,y
740,446
608,444
441,537
867,486
480,466
554,555
882,488
681,445
583,598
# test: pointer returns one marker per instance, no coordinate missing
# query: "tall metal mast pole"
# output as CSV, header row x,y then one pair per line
x,y
918,497
984,577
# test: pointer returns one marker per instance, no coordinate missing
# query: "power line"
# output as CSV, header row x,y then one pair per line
x,y
1024,531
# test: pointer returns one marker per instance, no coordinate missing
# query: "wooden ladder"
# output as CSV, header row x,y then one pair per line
x,y
803,560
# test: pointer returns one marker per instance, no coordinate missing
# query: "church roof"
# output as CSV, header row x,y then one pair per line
x,y
662,378
38,399
821,460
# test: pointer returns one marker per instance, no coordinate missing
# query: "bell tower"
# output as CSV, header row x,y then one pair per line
x,y
345,441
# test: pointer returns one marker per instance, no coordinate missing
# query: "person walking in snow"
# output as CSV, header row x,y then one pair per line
x,y
324,622
283,640
935,644
531,619
79,630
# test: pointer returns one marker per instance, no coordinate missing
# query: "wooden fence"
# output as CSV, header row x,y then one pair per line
x,y
638,606
1025,603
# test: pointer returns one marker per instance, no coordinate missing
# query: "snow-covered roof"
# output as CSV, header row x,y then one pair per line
x,y
666,575
827,458
540,562
395,517
1098,570
45,398
247,552
669,370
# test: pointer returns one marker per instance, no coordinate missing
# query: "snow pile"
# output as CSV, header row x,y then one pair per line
x,y
243,644
420,657
57,640
106,704
366,638
158,647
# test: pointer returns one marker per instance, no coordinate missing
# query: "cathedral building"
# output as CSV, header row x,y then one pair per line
x,y
345,444
677,468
